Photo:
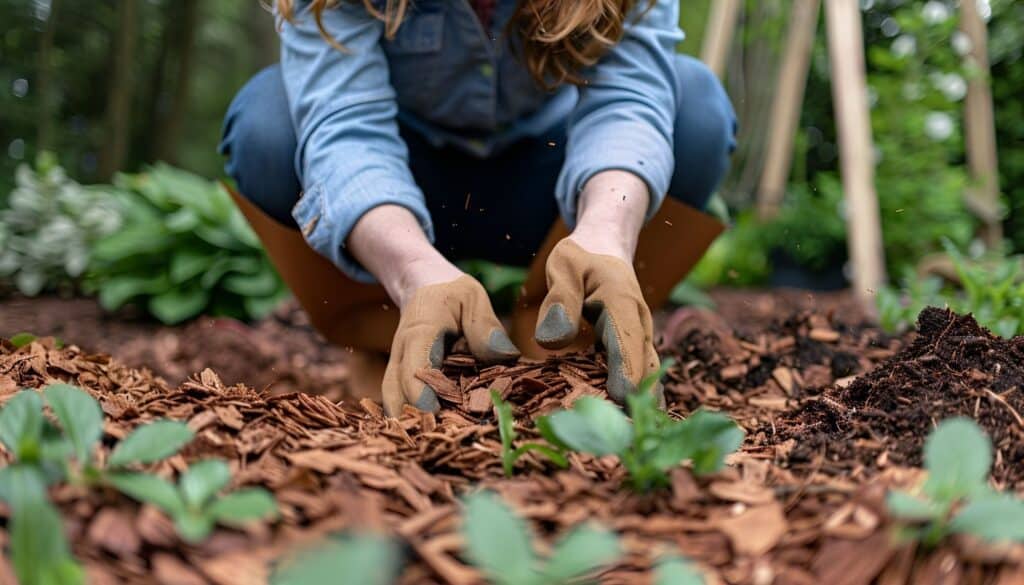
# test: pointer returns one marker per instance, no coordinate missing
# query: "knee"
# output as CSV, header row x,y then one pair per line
x,y
705,132
259,142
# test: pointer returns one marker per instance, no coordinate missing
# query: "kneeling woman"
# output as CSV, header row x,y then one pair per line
x,y
398,137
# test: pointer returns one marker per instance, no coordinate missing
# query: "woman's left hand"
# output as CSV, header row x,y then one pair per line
x,y
591,274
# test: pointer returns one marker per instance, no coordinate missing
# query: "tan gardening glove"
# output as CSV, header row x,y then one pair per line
x,y
435,315
606,289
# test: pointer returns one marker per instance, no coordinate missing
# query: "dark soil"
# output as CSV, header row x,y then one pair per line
x,y
953,368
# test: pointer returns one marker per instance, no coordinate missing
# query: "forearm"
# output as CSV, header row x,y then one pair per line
x,y
611,214
389,242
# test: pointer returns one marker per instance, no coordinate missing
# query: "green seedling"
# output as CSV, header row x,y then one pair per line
x,y
677,571
650,444
20,340
956,497
500,545
194,504
509,452
364,559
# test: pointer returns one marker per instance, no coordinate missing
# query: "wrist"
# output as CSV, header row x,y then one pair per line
x,y
611,212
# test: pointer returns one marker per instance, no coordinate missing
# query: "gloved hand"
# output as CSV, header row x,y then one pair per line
x,y
434,315
606,289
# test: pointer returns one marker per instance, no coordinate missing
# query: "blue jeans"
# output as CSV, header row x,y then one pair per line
x,y
498,209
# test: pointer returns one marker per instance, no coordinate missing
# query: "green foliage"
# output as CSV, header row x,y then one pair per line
x,y
677,571
956,497
991,287
649,445
48,226
811,226
194,504
737,258
509,452
20,340
186,249
500,544
346,560
1006,57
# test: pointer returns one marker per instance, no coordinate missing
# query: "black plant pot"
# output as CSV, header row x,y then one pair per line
x,y
788,273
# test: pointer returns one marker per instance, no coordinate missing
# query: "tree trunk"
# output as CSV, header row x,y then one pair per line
x,y
122,90
44,83
182,42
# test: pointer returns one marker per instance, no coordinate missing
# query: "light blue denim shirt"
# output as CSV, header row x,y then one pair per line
x,y
456,83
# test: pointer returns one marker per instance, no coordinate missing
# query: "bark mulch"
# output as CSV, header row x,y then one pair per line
x,y
780,513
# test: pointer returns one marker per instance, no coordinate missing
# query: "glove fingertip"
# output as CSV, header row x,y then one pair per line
x,y
501,346
427,400
556,329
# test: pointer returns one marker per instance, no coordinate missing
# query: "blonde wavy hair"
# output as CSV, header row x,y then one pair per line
x,y
558,37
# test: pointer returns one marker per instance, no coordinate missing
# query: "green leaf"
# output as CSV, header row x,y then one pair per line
x,y
553,454
177,305
908,507
354,560
543,425
582,551
712,435
150,443
20,340
506,430
79,415
21,485
115,291
497,541
593,426
21,423
149,489
193,526
996,518
677,571
202,481
244,506
256,285
957,456
39,548
188,263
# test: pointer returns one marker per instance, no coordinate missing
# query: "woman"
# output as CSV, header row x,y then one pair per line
x,y
397,137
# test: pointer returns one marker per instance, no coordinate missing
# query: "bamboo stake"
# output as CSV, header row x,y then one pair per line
x,y
856,158
979,130
789,97
718,37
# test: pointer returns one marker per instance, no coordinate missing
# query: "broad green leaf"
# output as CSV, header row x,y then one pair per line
x,y
260,307
133,240
149,489
177,305
202,481
593,426
115,291
908,507
582,551
353,560
255,285
497,541
713,436
189,263
677,571
79,415
997,518
150,443
21,485
39,548
21,423
243,506
957,456
543,425
20,340
193,526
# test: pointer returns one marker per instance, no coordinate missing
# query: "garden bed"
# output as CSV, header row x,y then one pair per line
x,y
835,412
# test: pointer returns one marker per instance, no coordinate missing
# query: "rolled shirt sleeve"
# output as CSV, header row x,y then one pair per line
x,y
626,112
350,157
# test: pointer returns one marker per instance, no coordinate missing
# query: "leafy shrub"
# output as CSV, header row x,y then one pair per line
x,y
185,249
991,287
956,497
48,227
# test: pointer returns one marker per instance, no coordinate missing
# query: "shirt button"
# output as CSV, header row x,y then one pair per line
x,y
487,70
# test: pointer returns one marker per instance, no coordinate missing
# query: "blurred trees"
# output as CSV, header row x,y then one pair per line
x,y
111,85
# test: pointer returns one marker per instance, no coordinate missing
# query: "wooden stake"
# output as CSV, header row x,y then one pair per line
x,y
979,130
856,158
718,36
789,97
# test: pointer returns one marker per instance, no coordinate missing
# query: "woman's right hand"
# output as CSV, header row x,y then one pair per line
x,y
438,302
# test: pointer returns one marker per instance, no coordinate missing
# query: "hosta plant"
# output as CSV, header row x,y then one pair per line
x,y
48,227
185,250
651,443
956,497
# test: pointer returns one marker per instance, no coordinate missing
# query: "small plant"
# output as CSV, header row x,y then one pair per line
x,y
509,452
500,544
364,559
48,227
677,571
956,497
185,249
650,444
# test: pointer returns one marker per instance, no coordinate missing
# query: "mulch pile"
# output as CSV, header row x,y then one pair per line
x,y
339,466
